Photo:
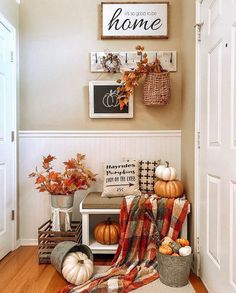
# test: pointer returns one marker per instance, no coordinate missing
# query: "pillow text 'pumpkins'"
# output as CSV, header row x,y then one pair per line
x,y
121,179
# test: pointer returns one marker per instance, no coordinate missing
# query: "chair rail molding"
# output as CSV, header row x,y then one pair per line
x,y
133,133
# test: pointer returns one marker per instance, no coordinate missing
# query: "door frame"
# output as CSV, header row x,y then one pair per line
x,y
197,146
14,90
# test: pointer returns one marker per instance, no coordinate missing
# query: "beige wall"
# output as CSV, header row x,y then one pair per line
x,y
188,101
56,38
9,8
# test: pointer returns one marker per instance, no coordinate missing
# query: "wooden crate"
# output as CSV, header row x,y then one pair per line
x,y
48,239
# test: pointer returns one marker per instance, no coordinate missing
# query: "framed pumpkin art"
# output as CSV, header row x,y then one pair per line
x,y
135,20
103,102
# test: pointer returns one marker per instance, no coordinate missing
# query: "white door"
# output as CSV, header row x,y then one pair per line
x,y
7,147
217,204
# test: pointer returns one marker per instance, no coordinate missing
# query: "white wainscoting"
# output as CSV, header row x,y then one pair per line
x,y
99,147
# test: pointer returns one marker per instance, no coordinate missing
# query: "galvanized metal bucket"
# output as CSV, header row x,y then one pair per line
x,y
62,249
63,202
174,270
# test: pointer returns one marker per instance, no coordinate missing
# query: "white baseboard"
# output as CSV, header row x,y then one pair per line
x,y
28,242
18,243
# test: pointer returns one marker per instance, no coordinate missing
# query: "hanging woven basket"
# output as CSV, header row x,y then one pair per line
x,y
156,89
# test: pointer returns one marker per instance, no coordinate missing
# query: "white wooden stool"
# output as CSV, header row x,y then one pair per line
x,y
94,204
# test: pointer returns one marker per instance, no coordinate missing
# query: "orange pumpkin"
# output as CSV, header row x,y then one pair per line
x,y
175,254
183,242
107,232
169,189
165,249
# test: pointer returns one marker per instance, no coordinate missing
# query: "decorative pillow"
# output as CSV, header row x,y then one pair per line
x,y
121,179
147,175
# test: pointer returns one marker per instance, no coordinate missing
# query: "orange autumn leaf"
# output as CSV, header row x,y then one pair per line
x,y
131,75
132,78
48,159
41,189
71,164
54,176
80,157
40,179
122,105
74,177
68,182
145,61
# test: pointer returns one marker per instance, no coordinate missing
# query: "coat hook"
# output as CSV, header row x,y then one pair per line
x,y
141,57
96,57
126,58
156,55
171,58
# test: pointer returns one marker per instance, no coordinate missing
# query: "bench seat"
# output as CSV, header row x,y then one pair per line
x,y
94,201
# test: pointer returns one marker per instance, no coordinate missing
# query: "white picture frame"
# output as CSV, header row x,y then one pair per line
x,y
103,104
135,20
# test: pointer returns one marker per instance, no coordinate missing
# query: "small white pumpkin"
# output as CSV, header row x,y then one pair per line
x,y
165,172
77,268
185,251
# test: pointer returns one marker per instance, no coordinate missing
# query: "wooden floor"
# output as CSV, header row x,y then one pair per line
x,y
20,273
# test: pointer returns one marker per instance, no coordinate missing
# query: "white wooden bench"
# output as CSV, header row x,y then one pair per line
x,y
94,204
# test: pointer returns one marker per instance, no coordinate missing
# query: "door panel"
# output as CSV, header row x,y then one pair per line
x,y
7,103
217,147
213,219
233,234
233,80
2,199
214,94
214,13
3,105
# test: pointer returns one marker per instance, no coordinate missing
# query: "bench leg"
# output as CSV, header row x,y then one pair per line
x,y
85,229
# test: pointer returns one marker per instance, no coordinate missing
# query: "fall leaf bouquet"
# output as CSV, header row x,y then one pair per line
x,y
131,79
74,177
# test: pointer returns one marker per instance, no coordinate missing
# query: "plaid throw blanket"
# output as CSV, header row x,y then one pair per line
x,y
143,221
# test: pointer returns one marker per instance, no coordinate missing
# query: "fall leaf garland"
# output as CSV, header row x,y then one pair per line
x,y
75,176
131,79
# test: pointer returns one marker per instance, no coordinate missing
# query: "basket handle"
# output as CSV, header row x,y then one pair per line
x,y
158,67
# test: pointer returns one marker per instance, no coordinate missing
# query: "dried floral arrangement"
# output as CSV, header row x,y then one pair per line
x,y
131,79
111,63
74,177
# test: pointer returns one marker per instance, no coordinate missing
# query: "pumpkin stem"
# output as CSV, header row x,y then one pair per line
x,y
108,222
81,261
167,164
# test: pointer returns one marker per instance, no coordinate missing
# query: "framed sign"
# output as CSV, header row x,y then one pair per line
x,y
103,101
134,20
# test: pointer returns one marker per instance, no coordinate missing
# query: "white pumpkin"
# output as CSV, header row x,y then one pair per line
x,y
166,173
77,268
185,251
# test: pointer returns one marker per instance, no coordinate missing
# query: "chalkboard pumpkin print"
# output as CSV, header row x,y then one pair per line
x,y
110,99
104,103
